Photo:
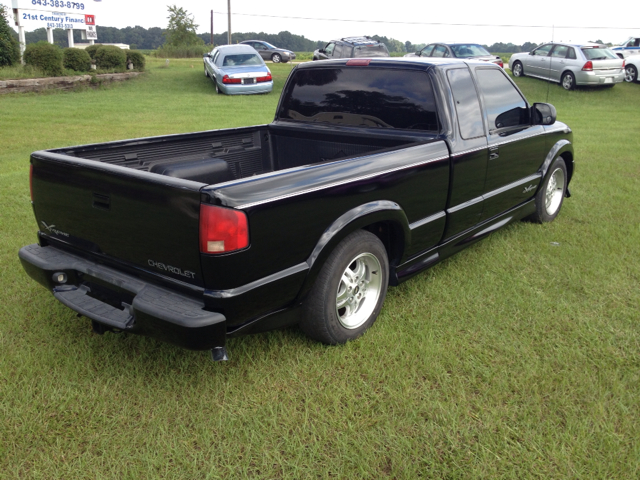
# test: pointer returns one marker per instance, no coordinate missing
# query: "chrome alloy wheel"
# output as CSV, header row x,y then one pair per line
x,y
358,291
554,192
517,69
630,74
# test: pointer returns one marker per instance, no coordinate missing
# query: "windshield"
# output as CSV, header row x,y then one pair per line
x,y
598,53
242,59
379,50
269,45
469,50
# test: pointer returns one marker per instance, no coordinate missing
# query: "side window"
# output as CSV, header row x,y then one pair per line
x,y
439,51
347,51
215,57
571,54
636,43
504,105
337,52
467,104
559,51
426,51
259,46
543,51
328,50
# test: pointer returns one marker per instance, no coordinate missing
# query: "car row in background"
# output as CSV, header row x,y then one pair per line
x,y
631,46
570,65
269,52
237,70
471,51
352,47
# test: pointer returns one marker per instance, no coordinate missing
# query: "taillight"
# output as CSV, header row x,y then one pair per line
x,y
222,229
31,181
499,63
228,80
624,62
267,78
588,67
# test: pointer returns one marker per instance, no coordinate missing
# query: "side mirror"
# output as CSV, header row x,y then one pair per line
x,y
543,114
321,50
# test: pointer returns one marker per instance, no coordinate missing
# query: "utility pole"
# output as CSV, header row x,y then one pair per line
x,y
211,28
229,30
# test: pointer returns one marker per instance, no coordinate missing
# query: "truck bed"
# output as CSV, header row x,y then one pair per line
x,y
224,155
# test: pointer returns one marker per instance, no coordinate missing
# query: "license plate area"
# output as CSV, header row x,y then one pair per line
x,y
608,80
248,81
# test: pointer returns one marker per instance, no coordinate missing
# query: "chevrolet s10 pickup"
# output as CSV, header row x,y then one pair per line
x,y
372,171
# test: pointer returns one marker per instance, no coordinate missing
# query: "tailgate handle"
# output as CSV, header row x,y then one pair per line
x,y
103,202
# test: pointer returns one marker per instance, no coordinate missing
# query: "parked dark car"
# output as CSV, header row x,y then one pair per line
x,y
470,51
352,47
270,52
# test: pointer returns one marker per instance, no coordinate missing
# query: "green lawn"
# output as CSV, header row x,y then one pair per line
x,y
517,358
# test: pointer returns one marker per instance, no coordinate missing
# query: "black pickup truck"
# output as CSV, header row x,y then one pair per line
x,y
372,171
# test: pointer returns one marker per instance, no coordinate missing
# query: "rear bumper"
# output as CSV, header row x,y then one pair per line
x,y
121,301
596,78
256,88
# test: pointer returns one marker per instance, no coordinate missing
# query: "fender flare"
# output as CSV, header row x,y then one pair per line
x,y
560,147
359,217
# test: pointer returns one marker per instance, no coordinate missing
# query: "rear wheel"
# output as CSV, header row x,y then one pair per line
x,y
349,292
551,194
218,91
631,73
206,73
518,71
568,81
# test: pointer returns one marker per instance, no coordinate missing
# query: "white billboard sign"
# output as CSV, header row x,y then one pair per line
x,y
32,19
54,5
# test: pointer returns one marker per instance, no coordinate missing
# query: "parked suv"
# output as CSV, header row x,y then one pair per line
x,y
351,47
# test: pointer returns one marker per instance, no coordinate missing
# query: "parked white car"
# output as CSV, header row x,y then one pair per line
x,y
570,65
632,64
629,47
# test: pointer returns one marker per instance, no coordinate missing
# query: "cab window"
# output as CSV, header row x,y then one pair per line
x,y
503,103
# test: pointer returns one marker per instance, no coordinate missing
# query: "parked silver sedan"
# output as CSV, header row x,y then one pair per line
x,y
237,70
570,65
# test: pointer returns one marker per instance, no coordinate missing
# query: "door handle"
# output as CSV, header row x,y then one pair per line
x,y
493,156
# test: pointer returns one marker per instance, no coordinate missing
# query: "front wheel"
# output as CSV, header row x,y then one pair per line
x,y
568,81
552,192
631,73
518,71
349,292
276,58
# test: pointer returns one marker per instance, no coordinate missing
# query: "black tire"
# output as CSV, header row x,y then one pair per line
x,y
568,81
349,292
631,73
551,193
218,91
518,69
276,58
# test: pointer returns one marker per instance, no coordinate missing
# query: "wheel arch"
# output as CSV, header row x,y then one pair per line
x,y
385,219
562,148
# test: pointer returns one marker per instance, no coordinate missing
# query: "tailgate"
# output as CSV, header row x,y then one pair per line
x,y
119,214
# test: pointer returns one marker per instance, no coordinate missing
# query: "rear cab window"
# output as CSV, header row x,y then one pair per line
x,y
361,96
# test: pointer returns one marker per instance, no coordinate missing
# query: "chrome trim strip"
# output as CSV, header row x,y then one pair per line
x,y
342,182
429,219
466,204
506,188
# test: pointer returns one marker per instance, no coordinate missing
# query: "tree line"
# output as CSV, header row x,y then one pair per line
x,y
152,38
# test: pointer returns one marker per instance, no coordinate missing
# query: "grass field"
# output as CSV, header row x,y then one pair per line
x,y
518,358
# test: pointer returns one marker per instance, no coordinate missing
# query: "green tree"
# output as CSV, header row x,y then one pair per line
x,y
9,48
181,31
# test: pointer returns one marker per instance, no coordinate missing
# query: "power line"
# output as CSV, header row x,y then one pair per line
x,y
428,23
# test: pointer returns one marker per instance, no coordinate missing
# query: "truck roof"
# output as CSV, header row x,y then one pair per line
x,y
419,62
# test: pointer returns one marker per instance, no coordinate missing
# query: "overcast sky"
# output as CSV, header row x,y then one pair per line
x,y
416,21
